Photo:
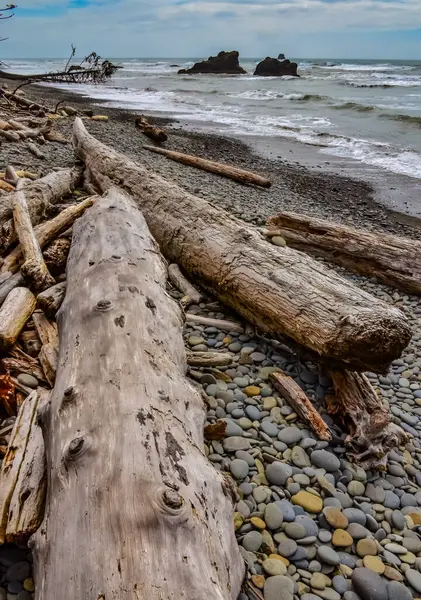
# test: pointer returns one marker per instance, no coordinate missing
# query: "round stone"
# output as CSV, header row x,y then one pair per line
x,y
18,571
253,413
355,515
269,403
308,501
309,525
295,531
300,457
318,581
396,548
234,443
252,390
274,567
28,380
277,473
290,435
391,500
366,547
335,517
398,519
28,585
252,541
325,460
277,240
368,584
273,516
287,548
328,555
340,584
279,587
374,564
269,428
258,581
357,531
239,468
414,579
341,538
397,591
195,340
258,523
356,488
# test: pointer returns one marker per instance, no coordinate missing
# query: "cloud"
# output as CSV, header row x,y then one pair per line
x,y
186,28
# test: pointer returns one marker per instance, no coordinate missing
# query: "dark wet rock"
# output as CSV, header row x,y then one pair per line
x,y
224,63
270,67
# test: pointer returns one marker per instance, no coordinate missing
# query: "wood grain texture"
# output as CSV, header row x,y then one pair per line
x,y
240,175
9,283
16,310
50,300
40,195
33,268
280,290
124,435
218,323
193,296
393,260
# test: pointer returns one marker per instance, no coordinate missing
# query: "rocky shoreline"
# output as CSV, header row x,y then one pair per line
x,y
309,524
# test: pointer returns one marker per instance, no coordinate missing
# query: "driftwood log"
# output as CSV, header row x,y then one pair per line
x,y
219,323
281,291
154,133
371,434
234,173
191,294
40,195
8,283
48,356
393,260
51,300
46,232
124,434
22,477
33,268
16,310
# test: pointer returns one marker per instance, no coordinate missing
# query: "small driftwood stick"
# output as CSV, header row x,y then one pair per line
x,y
33,149
34,267
213,167
15,470
218,323
192,295
8,284
46,232
11,136
19,365
393,260
371,434
10,176
51,300
295,396
208,359
16,310
154,133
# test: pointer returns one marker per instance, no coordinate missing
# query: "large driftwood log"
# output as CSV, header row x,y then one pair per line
x,y
34,267
16,310
46,232
22,477
235,173
124,435
371,434
279,290
9,283
393,260
40,195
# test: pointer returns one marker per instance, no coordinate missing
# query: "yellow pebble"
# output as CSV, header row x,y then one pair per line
x,y
258,581
28,584
341,538
416,518
281,558
238,520
258,523
374,564
252,390
309,502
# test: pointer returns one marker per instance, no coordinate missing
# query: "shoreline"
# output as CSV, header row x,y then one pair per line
x,y
299,183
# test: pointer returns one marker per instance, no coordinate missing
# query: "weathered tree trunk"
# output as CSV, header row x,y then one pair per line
x,y
40,195
393,260
280,290
124,435
8,284
366,418
16,310
34,267
235,173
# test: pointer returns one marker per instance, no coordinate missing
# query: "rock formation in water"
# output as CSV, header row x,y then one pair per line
x,y
225,63
270,67
281,56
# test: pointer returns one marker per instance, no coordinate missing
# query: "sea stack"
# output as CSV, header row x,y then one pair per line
x,y
225,63
270,67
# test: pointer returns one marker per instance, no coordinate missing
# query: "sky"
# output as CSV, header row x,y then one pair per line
x,y
199,28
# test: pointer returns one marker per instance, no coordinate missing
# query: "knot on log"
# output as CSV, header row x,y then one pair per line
x,y
115,258
77,447
172,499
104,305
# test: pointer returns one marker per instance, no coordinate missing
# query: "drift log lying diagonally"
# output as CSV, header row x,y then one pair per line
x,y
123,416
39,196
393,260
280,290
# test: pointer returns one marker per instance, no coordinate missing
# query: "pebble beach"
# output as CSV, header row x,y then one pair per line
x,y
309,524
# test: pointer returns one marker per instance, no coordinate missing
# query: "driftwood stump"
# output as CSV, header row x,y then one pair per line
x,y
134,509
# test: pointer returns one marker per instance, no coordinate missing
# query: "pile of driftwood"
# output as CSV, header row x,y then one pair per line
x,y
111,440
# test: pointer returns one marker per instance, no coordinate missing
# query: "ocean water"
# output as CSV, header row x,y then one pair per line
x,y
365,110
